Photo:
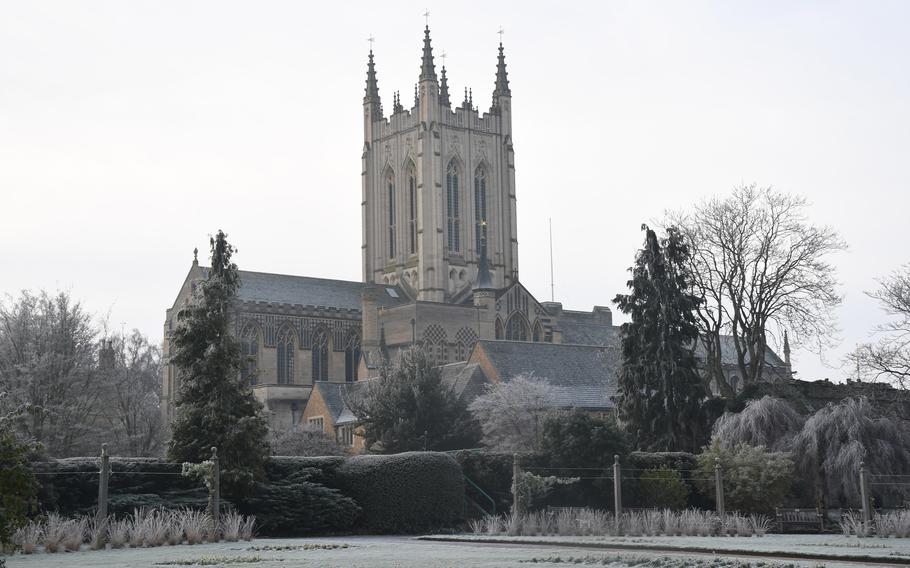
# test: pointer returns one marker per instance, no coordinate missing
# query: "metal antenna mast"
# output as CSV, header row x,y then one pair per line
x,y
552,287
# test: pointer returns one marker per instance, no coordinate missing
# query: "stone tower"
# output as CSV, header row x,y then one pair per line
x,y
434,179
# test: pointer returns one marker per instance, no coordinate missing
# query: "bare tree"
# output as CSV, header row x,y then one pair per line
x,y
510,413
889,358
761,267
132,401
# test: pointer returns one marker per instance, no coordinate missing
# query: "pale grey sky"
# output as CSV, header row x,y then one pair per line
x,y
130,131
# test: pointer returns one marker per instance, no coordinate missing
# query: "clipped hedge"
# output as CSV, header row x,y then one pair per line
x,y
404,493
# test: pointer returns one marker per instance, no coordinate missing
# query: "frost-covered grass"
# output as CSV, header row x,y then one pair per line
x,y
144,528
659,562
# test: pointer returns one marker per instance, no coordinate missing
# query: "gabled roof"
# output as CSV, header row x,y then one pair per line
x,y
303,290
585,374
465,379
334,396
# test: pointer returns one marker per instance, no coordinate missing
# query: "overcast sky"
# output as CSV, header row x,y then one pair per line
x,y
130,131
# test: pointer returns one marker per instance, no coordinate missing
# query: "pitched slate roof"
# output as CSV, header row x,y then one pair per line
x,y
306,291
584,374
577,330
334,396
466,379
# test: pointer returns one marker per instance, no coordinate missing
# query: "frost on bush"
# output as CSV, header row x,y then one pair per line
x,y
755,480
770,422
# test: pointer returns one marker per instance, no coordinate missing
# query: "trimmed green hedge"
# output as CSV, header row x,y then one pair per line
x,y
403,493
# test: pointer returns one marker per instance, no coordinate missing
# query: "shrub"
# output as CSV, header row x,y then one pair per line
x,y
663,488
17,484
410,492
295,505
755,480
307,441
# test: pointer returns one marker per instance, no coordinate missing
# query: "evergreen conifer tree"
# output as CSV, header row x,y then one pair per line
x,y
215,407
660,392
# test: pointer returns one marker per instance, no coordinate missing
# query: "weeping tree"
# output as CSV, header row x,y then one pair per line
x,y
660,390
770,422
215,407
837,438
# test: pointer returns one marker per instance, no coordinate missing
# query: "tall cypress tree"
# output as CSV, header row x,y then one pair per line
x,y
214,406
660,392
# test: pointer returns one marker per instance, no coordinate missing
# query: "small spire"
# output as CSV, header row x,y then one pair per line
x,y
396,105
502,79
444,89
471,98
416,98
371,93
484,279
427,68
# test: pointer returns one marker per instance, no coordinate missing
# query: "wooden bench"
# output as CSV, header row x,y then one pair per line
x,y
800,518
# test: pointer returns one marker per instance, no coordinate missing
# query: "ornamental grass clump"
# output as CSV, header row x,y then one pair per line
x,y
195,525
75,532
28,537
54,532
893,524
118,533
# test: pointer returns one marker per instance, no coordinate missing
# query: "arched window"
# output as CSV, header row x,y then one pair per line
x,y
412,211
499,332
249,353
320,355
480,206
453,213
517,328
464,341
351,357
286,348
538,332
435,342
390,204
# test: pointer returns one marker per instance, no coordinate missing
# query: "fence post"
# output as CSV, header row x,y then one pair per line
x,y
103,477
516,485
864,495
719,487
216,491
617,493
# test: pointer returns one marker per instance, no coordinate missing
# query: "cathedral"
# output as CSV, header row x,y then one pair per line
x,y
440,269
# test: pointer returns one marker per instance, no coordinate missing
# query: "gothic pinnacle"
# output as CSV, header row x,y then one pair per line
x,y
371,94
502,77
427,68
416,97
444,88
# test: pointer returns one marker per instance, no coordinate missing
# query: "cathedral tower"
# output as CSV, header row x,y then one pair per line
x,y
438,182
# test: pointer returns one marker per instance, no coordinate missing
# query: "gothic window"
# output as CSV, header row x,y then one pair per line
x,y
434,341
412,211
517,328
499,332
249,353
464,342
351,357
453,214
480,205
538,332
320,355
285,347
390,204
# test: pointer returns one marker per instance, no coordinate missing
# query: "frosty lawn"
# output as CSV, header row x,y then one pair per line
x,y
388,552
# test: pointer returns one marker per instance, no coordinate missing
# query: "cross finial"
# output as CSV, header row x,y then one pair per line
x,y
371,39
196,254
443,57
500,32
426,17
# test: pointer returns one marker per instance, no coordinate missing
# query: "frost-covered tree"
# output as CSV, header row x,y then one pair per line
x,y
306,441
837,438
759,266
511,414
48,363
133,366
889,358
409,407
215,407
17,480
660,390
755,480
770,422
